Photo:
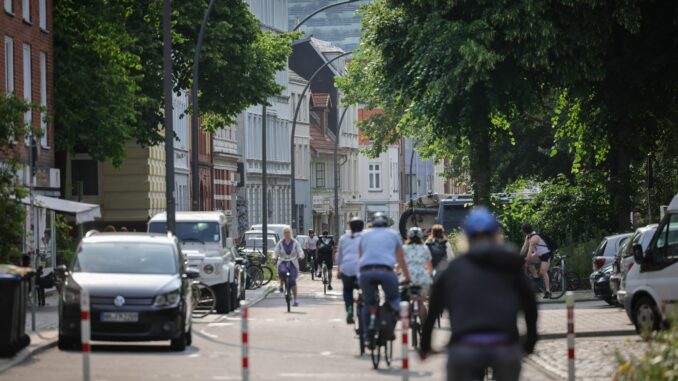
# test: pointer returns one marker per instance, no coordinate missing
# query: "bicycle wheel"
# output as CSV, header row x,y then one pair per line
x,y
557,283
204,300
288,294
388,352
256,276
267,275
375,353
242,284
324,274
414,327
573,280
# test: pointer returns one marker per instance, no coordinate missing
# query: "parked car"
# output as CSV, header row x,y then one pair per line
x,y
600,284
604,254
624,262
277,228
139,290
205,242
252,243
652,284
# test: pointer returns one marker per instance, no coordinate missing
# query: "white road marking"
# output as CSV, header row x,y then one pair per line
x,y
220,324
326,353
208,334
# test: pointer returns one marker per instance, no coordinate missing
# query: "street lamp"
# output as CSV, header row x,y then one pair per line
x,y
336,175
169,128
293,192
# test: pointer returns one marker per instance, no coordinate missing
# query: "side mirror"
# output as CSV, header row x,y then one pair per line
x,y
638,256
229,243
192,273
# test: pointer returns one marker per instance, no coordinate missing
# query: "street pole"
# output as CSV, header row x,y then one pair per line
x,y
33,222
300,23
264,184
195,160
169,128
411,159
293,190
336,176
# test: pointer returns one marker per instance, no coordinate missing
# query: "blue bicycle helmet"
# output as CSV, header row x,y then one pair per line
x,y
480,221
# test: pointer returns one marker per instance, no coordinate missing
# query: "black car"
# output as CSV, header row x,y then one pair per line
x,y
139,290
600,282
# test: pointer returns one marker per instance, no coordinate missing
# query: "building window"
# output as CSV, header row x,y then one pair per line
x,y
26,10
374,173
84,177
27,81
320,175
42,10
9,64
9,8
43,99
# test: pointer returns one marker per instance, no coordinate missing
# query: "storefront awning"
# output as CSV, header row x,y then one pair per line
x,y
83,212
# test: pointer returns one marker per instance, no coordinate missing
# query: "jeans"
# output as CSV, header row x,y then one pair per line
x,y
369,283
468,362
350,283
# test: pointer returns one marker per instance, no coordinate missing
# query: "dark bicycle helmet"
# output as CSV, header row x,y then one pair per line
x,y
356,224
379,220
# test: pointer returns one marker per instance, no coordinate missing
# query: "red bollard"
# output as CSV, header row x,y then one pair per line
x,y
569,300
245,341
405,323
85,332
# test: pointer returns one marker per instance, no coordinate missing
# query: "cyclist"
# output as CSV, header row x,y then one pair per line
x,y
537,252
325,250
441,250
379,250
311,248
483,291
418,258
347,263
288,248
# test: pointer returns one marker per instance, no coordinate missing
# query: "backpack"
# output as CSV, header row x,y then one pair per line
x,y
325,244
387,319
438,250
551,244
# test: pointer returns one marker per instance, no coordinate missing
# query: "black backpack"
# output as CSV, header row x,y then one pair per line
x,y
387,319
325,244
438,250
551,244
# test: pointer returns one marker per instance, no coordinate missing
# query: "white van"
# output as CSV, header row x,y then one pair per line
x,y
277,228
652,289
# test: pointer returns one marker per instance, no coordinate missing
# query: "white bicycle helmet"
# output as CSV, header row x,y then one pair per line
x,y
415,232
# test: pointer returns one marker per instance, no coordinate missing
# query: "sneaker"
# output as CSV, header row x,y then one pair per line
x,y
349,317
295,304
547,295
329,287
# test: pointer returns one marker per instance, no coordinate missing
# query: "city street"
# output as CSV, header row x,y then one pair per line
x,y
312,342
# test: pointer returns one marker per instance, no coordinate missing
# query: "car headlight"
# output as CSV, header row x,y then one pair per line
x,y
208,269
71,296
170,299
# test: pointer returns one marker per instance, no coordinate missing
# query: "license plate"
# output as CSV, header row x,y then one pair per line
x,y
120,317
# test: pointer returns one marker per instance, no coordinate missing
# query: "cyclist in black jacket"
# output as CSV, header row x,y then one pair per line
x,y
483,291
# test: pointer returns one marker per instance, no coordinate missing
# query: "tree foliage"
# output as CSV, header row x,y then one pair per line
x,y
108,68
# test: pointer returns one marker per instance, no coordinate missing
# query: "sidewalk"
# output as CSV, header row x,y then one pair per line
x,y
47,325
579,296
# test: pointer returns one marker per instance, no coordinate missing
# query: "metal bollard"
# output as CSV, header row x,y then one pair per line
x,y
85,332
569,300
405,323
245,341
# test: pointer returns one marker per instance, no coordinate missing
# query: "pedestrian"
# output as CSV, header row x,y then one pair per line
x,y
380,249
288,248
537,252
441,250
325,250
418,258
347,263
311,248
484,292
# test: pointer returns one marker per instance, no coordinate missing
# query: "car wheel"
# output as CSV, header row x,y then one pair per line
x,y
234,296
189,337
67,343
223,296
646,317
179,344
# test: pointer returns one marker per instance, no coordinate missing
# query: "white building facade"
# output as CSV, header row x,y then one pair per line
x,y
302,152
380,183
181,122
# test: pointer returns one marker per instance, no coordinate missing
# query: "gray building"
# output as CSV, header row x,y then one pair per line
x,y
339,25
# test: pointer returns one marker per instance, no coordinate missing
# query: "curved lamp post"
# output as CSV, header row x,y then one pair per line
x,y
195,167
293,197
336,176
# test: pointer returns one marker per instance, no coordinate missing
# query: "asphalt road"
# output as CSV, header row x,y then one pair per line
x,y
312,342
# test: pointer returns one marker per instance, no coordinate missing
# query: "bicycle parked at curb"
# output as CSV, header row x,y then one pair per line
x,y
204,300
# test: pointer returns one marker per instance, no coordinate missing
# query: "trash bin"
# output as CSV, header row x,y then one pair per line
x,y
14,289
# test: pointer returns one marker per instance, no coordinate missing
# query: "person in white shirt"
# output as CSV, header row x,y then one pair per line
x,y
311,249
347,263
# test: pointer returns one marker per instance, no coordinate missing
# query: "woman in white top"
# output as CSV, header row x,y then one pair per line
x,y
418,258
347,263
288,249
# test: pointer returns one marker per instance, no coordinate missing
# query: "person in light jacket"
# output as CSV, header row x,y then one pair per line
x,y
347,263
288,252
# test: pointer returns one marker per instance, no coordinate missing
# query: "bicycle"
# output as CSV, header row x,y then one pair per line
x,y
204,300
286,281
325,277
412,294
558,282
358,321
242,277
376,338
310,258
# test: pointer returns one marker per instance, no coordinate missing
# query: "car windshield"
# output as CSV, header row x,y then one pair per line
x,y
453,217
255,241
125,258
600,250
202,232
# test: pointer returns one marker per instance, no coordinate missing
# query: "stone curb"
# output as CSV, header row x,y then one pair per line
x,y
27,353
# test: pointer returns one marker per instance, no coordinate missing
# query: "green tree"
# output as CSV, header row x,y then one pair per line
x,y
108,68
12,130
